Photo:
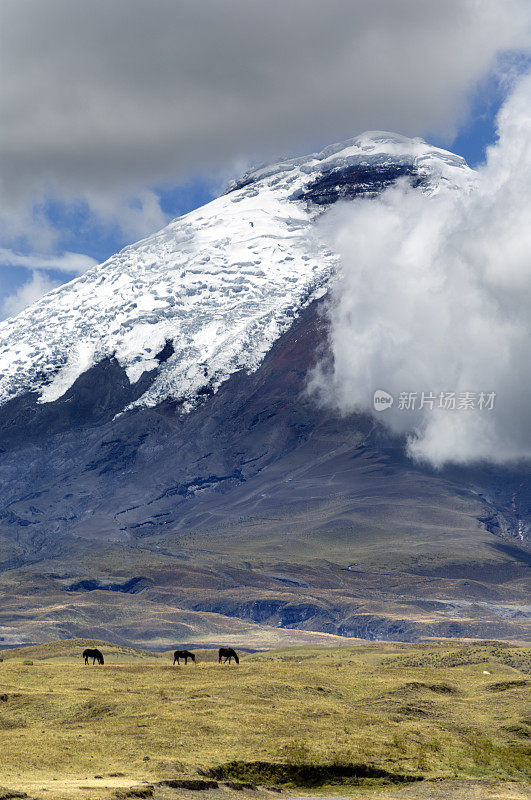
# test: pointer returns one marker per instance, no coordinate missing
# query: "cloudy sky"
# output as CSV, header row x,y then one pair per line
x,y
432,303
118,116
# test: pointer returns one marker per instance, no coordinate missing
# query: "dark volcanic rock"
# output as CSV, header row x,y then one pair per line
x,y
95,398
355,181
132,586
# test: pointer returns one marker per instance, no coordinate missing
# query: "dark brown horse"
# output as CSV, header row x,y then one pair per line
x,y
185,654
95,655
226,654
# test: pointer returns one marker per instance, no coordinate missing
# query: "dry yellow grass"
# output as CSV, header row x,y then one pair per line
x,y
403,708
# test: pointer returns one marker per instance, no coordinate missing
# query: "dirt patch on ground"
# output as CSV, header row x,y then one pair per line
x,y
124,788
80,789
456,790
194,784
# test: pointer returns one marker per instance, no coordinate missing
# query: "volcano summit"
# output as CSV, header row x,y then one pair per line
x,y
220,284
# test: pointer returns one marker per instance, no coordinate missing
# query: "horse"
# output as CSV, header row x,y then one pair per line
x,y
186,654
95,655
227,653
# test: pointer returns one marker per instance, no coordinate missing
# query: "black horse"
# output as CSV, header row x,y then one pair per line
x,y
227,653
186,654
95,655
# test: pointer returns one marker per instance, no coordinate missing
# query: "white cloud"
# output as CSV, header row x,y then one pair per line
x,y
434,296
72,263
38,285
108,98
135,216
102,100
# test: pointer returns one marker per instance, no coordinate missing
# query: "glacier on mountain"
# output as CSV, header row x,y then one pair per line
x,y
220,284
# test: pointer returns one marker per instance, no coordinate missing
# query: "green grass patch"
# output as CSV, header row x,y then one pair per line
x,y
373,714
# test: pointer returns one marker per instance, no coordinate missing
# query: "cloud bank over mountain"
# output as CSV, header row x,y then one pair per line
x,y
100,101
434,296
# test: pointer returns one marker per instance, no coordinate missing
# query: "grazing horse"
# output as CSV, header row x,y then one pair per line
x,y
227,653
186,654
95,655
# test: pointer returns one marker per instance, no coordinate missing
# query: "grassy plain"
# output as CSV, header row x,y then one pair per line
x,y
442,710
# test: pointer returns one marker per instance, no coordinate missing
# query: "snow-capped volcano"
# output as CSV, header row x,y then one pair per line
x,y
258,504
210,293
